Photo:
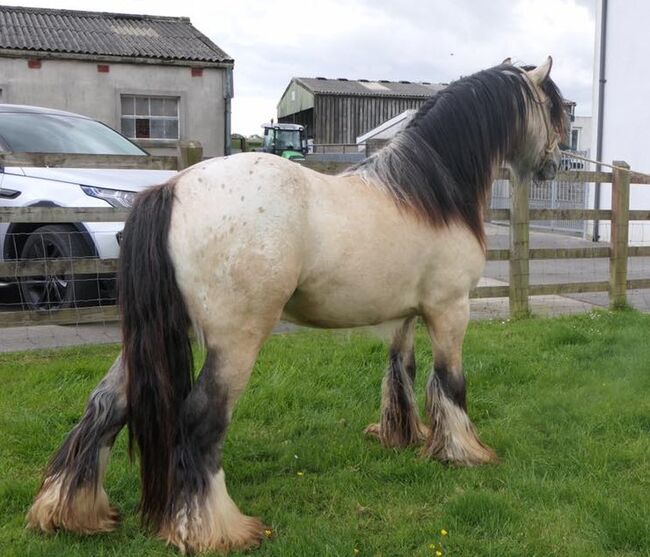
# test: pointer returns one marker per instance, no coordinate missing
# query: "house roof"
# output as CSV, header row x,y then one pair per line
x,y
365,87
106,34
389,128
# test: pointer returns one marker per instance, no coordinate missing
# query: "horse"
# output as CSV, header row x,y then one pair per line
x,y
230,246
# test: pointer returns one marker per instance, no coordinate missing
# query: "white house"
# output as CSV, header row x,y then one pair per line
x,y
621,93
580,138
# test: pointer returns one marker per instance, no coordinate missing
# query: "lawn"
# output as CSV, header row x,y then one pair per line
x,y
565,402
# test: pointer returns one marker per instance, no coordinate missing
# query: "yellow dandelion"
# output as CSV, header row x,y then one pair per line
x,y
268,533
438,553
443,532
356,551
300,474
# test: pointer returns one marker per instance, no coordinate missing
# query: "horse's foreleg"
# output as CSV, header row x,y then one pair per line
x,y
452,438
399,425
202,516
72,496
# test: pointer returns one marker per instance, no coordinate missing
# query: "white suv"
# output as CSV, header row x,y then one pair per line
x,y
42,130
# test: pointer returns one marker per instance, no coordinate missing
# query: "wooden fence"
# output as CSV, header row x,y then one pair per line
x,y
519,254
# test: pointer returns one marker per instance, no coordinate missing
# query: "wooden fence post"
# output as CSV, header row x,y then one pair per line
x,y
189,153
519,225
619,235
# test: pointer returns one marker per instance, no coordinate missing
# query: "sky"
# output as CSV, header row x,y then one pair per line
x,y
414,40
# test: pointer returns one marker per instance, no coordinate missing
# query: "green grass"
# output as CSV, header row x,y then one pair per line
x,y
565,402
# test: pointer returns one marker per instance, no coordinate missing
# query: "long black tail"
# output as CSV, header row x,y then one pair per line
x,y
156,347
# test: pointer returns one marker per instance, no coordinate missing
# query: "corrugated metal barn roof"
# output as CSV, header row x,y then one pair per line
x,y
364,87
105,34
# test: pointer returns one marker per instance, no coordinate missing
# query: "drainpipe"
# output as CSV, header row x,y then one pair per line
x,y
227,111
601,109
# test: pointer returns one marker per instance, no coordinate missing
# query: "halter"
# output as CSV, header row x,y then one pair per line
x,y
550,145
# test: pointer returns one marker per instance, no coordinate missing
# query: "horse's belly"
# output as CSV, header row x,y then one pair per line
x,y
338,301
350,283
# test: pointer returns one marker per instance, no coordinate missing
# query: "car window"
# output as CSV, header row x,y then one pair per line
x,y
52,133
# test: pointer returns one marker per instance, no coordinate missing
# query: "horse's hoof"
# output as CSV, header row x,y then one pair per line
x,y
476,455
372,431
212,522
86,512
247,533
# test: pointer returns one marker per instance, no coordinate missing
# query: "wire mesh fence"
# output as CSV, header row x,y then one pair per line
x,y
56,267
50,276
552,194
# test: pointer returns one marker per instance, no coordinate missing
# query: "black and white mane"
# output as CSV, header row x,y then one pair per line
x,y
441,165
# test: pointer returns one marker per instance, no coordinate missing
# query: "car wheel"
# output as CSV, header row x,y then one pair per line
x,y
57,291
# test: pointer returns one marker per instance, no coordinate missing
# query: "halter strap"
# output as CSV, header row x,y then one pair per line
x,y
549,146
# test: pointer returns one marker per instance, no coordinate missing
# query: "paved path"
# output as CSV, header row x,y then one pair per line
x,y
496,273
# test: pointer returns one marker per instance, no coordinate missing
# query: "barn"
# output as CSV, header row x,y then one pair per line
x,y
158,80
337,111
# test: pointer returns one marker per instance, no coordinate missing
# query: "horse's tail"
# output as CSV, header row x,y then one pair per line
x,y
156,346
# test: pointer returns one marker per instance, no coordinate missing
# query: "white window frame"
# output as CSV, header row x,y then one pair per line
x,y
132,115
578,133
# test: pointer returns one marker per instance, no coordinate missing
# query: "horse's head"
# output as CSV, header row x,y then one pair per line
x,y
545,125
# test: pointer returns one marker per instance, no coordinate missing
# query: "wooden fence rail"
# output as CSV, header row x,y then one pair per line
x,y
518,255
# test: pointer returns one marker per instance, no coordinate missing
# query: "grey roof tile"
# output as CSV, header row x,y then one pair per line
x,y
383,88
105,34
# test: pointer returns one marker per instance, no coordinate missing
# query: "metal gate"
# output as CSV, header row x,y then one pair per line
x,y
551,194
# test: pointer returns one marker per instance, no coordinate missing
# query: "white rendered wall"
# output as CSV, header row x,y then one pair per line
x,y
76,86
626,115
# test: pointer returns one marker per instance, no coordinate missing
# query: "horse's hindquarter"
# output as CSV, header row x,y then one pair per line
x,y
236,239
367,262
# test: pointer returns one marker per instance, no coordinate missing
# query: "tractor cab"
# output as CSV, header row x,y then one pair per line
x,y
285,140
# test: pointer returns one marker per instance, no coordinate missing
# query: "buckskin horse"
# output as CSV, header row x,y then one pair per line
x,y
232,245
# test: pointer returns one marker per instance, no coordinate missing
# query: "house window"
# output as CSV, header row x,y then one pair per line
x,y
149,117
575,139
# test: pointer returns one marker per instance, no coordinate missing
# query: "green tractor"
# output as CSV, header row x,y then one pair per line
x,y
285,140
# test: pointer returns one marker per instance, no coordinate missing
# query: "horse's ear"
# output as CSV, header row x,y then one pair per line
x,y
540,73
507,62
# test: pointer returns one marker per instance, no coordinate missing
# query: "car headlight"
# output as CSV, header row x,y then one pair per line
x,y
117,198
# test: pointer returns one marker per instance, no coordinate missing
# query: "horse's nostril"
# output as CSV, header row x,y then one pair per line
x,y
548,170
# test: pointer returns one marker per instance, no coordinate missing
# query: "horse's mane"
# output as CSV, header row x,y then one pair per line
x,y
441,164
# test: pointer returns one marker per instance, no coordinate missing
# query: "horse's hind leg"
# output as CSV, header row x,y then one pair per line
x,y
452,438
72,496
399,425
202,516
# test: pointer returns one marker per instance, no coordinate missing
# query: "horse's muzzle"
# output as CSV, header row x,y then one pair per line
x,y
547,171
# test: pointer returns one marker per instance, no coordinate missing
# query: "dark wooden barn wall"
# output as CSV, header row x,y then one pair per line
x,y
304,118
339,119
